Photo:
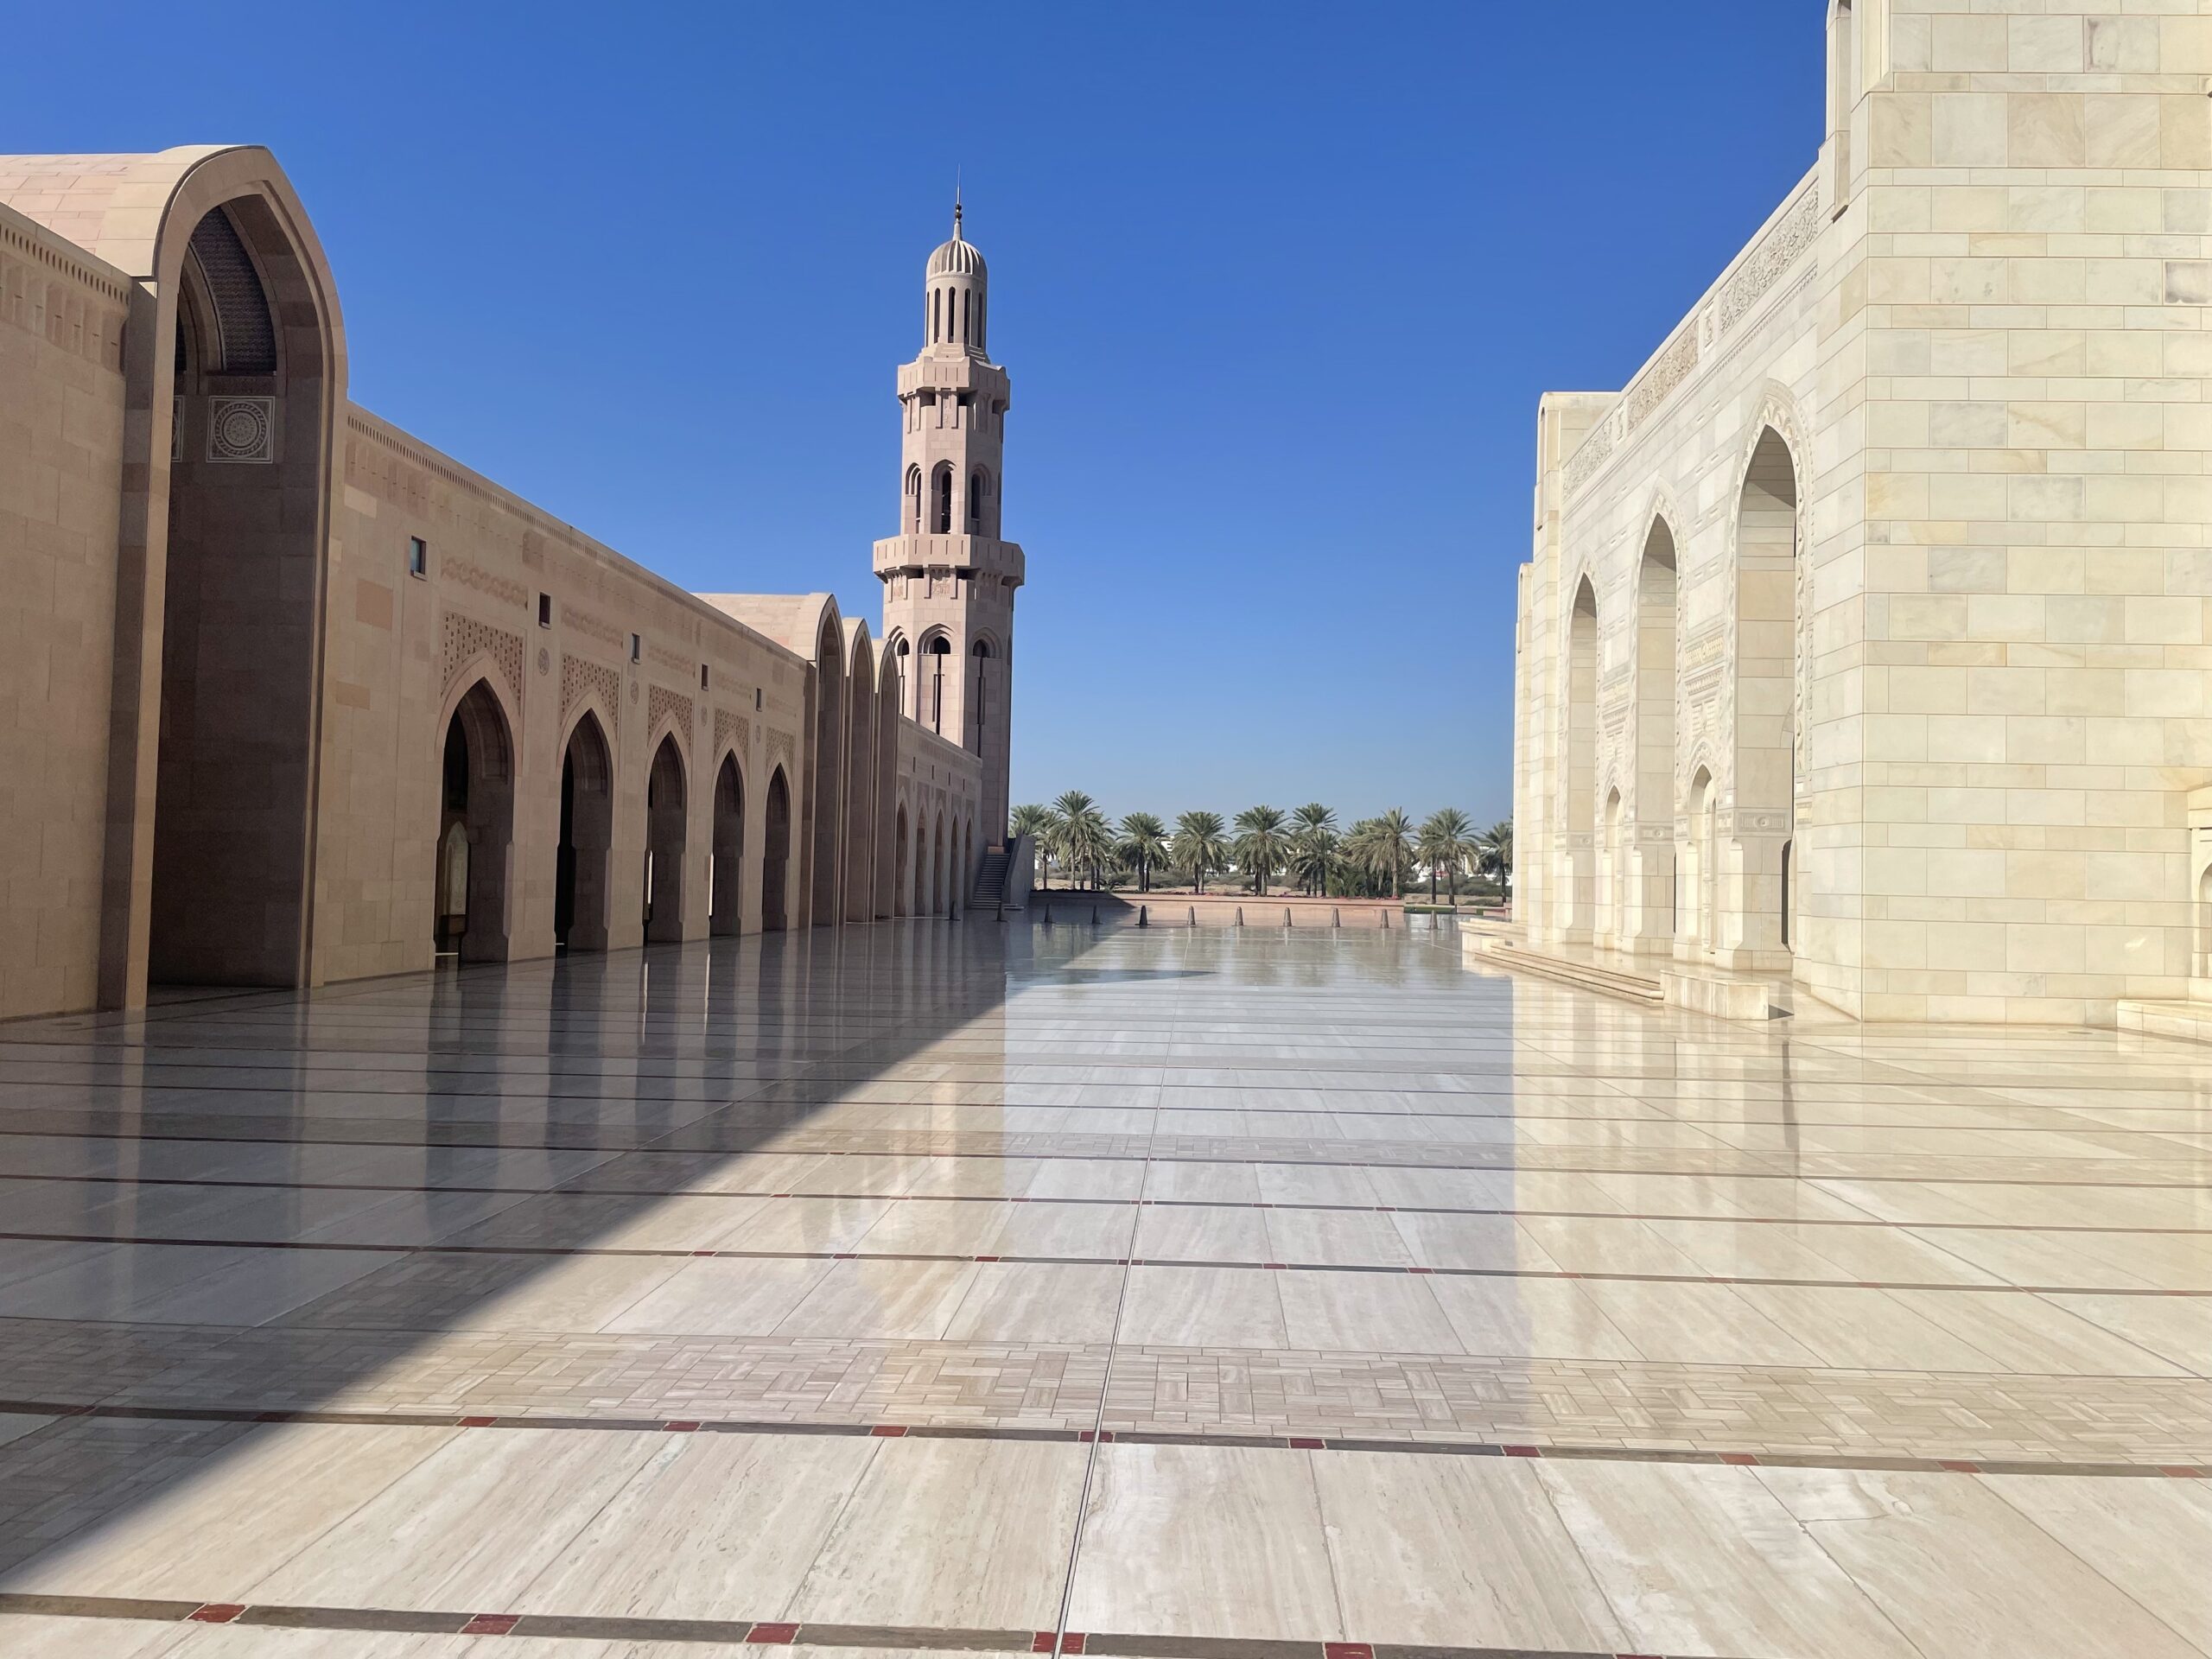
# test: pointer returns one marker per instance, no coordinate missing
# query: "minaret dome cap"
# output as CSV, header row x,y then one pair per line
x,y
958,258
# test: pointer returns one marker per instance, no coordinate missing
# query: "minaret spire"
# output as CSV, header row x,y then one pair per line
x,y
956,204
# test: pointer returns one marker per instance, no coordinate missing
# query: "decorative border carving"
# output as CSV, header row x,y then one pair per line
x,y
734,731
1777,251
464,639
661,701
580,678
1679,362
1755,276
484,582
781,747
1597,444
593,626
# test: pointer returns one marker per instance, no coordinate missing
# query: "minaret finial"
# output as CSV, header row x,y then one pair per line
x,y
955,204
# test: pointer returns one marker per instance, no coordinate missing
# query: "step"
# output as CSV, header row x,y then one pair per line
x,y
2189,1022
1646,988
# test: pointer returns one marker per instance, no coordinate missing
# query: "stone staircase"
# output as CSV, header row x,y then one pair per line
x,y
990,883
1645,988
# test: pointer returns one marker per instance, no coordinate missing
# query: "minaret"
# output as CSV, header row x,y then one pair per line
x,y
948,579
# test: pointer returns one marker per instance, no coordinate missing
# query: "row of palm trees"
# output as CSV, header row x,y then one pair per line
x,y
1375,858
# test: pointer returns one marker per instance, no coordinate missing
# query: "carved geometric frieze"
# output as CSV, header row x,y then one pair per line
x,y
1791,235
1596,445
466,575
1676,365
662,701
781,747
733,732
242,430
582,678
596,627
463,639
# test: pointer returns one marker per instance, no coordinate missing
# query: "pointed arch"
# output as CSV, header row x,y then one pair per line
x,y
475,827
902,890
726,850
940,511
859,829
937,865
1763,766
932,698
884,895
1658,629
667,820
587,835
1579,771
824,804
776,854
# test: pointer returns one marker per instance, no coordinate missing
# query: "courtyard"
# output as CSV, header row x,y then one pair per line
x,y
1161,1292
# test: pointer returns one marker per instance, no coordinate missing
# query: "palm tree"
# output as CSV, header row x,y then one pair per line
x,y
1382,845
1261,843
1144,843
1494,852
1313,845
1043,823
1036,822
1447,840
1199,846
1085,837
1314,858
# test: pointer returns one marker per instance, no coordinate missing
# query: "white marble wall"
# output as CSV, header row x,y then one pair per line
x,y
1971,700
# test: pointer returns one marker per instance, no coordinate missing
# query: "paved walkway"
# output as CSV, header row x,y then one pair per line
x,y
1171,1294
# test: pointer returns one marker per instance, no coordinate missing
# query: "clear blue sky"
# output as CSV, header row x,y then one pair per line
x,y
1277,284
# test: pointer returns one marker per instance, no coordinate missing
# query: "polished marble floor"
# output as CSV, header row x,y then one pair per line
x,y
1171,1294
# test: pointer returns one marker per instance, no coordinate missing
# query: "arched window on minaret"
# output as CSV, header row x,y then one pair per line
x,y
965,300
906,654
938,649
937,298
975,488
914,498
983,655
941,499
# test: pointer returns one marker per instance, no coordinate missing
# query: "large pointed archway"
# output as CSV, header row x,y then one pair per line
x,y
667,813
826,773
1755,862
726,883
580,883
253,375
475,830
776,855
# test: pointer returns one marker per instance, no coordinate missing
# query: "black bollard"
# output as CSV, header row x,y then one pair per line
x,y
1094,915
1240,915
1141,920
1335,916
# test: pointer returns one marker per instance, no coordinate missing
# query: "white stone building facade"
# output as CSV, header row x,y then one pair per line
x,y
1867,636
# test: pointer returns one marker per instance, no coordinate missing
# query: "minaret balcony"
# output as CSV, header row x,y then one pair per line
x,y
984,555
953,369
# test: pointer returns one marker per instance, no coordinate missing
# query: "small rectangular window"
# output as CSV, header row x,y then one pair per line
x,y
756,698
702,677
418,556
637,649
545,610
